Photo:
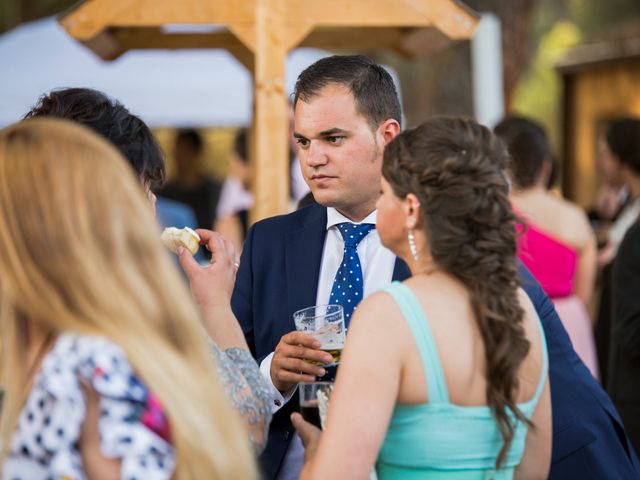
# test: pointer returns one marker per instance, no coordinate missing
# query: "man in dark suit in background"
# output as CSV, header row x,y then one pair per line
x,y
192,186
624,375
346,111
624,359
589,440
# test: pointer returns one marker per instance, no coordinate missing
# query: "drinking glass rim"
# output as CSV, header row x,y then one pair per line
x,y
321,383
326,307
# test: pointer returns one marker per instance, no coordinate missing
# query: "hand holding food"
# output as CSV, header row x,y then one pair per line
x,y
185,237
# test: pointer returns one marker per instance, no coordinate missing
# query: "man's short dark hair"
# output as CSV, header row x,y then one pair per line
x,y
370,84
112,120
191,137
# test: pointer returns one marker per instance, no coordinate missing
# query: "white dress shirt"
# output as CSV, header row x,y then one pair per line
x,y
377,269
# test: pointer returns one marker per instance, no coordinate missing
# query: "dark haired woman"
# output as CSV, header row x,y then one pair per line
x,y
557,245
445,375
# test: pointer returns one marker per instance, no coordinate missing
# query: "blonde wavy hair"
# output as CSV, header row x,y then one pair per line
x,y
80,251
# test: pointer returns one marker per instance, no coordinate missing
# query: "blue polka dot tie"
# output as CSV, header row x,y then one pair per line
x,y
347,287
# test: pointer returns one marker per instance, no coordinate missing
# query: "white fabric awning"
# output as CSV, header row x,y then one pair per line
x,y
198,88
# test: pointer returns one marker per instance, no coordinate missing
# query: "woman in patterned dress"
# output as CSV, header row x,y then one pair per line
x,y
107,372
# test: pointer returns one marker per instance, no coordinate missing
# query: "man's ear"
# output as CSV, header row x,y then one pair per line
x,y
389,129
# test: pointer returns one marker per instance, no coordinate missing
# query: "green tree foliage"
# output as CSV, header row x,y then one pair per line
x,y
597,16
538,93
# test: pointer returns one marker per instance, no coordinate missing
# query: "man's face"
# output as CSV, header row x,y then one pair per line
x,y
340,156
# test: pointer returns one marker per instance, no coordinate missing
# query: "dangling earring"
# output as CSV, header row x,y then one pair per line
x,y
412,245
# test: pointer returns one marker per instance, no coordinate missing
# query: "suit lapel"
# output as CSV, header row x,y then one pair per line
x,y
400,271
303,256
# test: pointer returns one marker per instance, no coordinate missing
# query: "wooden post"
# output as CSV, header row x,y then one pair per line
x,y
271,160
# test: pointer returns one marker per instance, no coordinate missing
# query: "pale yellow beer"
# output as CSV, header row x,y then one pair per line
x,y
326,324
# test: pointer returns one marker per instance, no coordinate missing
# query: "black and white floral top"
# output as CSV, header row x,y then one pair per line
x,y
132,425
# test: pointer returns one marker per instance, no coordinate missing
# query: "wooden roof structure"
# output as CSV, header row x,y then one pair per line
x,y
260,33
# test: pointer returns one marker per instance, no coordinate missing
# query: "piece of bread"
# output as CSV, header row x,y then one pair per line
x,y
174,237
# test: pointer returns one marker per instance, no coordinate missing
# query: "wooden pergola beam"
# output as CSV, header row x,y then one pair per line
x,y
353,38
112,43
406,41
91,17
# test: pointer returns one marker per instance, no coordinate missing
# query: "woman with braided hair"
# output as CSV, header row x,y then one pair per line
x,y
445,375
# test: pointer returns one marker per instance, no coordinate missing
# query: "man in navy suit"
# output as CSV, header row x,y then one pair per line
x,y
346,111
589,441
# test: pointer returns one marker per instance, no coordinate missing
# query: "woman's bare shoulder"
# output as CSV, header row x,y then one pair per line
x,y
379,306
575,223
561,218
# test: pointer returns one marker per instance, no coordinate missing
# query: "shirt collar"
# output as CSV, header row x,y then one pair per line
x,y
334,217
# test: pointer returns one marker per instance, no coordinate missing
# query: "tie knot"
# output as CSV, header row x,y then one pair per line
x,y
353,233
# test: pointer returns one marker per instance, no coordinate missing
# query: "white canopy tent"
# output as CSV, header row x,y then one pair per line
x,y
198,88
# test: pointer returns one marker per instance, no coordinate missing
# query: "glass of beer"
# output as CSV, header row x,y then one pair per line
x,y
314,400
326,324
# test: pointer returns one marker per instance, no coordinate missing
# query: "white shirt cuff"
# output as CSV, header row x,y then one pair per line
x,y
278,399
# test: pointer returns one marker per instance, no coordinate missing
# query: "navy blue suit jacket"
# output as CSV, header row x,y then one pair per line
x,y
278,275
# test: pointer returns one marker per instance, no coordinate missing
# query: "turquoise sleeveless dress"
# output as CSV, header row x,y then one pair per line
x,y
440,440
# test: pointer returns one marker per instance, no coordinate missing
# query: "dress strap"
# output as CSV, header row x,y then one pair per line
x,y
419,325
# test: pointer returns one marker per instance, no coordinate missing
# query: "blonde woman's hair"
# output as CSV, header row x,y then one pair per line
x,y
80,251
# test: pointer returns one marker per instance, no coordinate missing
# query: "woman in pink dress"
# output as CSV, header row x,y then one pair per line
x,y
557,244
